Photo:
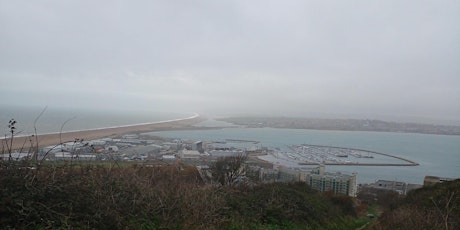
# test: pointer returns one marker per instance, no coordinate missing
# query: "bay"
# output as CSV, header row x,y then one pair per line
x,y
438,155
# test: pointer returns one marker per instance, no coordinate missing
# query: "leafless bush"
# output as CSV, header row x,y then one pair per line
x,y
227,170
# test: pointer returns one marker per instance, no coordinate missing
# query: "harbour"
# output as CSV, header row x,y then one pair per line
x,y
434,154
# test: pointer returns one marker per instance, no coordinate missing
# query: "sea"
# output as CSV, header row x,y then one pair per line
x,y
437,155
54,120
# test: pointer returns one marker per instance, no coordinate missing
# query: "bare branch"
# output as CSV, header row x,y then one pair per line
x,y
62,127
227,170
35,131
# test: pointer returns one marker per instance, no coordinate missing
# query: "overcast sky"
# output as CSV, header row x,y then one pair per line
x,y
303,58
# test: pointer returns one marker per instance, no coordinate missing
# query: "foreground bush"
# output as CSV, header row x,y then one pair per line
x,y
168,197
432,207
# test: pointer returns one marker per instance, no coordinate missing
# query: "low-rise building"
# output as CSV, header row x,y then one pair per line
x,y
168,157
397,186
15,156
190,155
66,156
227,153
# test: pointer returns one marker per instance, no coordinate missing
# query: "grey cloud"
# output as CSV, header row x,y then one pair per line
x,y
293,57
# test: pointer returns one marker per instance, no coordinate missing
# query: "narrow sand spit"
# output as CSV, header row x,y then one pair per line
x,y
24,142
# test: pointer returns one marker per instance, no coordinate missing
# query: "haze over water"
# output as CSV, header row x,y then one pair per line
x,y
53,119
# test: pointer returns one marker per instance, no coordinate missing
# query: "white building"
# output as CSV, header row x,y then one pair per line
x,y
227,153
99,142
66,156
335,182
315,177
168,157
190,154
15,156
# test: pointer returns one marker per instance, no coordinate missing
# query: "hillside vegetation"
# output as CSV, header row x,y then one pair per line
x,y
74,196
90,196
432,207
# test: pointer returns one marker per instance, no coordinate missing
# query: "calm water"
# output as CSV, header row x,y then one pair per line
x,y
437,154
53,119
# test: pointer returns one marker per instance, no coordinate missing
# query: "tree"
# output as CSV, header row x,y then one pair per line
x,y
227,170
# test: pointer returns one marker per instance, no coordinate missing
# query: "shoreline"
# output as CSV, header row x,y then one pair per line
x,y
195,115
363,125
24,143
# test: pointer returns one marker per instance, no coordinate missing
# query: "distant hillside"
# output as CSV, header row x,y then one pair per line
x,y
343,124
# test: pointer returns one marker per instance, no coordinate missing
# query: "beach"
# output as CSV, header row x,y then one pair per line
x,y
25,142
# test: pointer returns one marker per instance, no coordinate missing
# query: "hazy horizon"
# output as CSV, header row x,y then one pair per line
x,y
25,116
387,60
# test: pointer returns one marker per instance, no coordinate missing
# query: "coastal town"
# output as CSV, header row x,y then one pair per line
x,y
230,115
216,162
133,145
305,163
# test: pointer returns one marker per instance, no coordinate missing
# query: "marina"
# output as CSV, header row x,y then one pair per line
x,y
435,154
302,155
331,155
